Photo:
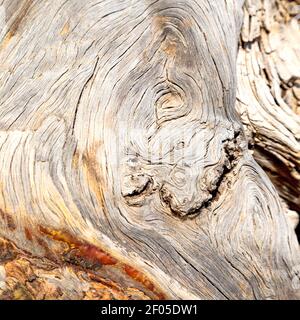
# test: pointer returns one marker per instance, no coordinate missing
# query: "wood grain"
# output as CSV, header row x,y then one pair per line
x,y
122,156
268,85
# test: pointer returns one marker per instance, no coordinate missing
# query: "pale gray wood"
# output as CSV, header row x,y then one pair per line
x,y
268,90
119,130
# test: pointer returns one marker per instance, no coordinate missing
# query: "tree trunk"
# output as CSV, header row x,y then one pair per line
x,y
125,169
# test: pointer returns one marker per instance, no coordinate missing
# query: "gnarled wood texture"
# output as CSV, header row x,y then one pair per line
x,y
124,166
268,90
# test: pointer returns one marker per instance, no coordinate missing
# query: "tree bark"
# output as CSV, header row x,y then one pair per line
x,y
125,169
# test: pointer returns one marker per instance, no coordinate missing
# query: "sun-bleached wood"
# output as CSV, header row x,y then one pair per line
x,y
268,90
124,166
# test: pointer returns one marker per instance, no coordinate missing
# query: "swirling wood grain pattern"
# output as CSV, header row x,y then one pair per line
x,y
122,157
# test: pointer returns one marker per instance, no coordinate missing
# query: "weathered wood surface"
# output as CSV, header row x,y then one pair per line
x,y
124,167
268,97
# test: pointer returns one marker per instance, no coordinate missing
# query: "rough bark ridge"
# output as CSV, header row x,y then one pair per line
x,y
124,168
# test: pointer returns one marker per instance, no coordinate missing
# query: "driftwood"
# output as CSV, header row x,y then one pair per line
x,y
128,130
